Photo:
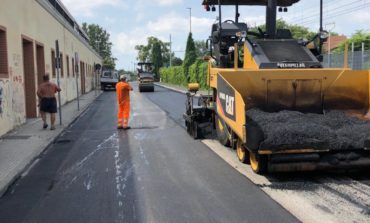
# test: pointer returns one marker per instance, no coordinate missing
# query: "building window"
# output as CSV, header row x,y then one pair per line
x,y
67,61
73,67
53,63
61,65
4,72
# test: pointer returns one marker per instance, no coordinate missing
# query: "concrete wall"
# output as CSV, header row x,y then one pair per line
x,y
30,19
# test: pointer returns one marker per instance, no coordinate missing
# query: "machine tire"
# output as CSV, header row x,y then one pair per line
x,y
241,152
222,132
195,131
188,127
258,162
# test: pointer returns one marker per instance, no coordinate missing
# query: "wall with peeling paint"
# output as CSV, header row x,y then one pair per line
x,y
35,20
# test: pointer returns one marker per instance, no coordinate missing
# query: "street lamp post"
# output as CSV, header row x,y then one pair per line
x,y
170,51
190,17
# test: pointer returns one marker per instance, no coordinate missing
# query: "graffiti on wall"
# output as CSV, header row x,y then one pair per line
x,y
18,100
15,71
4,99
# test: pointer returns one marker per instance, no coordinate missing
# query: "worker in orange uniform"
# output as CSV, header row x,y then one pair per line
x,y
123,99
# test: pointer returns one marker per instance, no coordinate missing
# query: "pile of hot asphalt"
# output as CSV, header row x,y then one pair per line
x,y
291,129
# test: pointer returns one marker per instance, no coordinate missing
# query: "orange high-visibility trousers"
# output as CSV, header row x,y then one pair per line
x,y
123,114
123,99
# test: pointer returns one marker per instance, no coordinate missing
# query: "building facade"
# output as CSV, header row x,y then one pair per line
x,y
28,32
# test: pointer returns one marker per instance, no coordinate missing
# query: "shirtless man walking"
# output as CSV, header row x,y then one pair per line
x,y
48,102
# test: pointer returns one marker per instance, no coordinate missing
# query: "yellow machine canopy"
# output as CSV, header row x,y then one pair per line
x,y
284,3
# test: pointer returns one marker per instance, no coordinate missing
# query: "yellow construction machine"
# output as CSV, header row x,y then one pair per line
x,y
272,100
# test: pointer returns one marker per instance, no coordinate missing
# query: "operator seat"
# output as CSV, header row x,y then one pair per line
x,y
283,34
228,39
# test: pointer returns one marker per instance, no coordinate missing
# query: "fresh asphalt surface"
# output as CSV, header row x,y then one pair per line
x,y
152,173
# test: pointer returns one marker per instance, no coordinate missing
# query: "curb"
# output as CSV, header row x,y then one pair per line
x,y
18,176
176,90
170,88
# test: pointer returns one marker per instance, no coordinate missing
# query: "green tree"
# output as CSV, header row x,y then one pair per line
x,y
156,58
298,32
190,54
201,48
358,38
176,61
99,39
144,51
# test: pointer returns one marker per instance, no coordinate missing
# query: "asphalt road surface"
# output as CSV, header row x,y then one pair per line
x,y
152,173
310,196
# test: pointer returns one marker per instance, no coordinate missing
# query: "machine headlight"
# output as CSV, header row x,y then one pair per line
x,y
324,34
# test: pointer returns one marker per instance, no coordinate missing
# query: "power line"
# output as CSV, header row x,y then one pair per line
x,y
313,9
332,10
338,13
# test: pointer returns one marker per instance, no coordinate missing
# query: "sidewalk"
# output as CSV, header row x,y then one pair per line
x,y
22,146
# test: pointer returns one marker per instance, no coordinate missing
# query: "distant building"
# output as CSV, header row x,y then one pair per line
x,y
28,31
333,42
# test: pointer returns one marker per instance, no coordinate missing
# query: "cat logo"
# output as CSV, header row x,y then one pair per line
x,y
226,96
230,105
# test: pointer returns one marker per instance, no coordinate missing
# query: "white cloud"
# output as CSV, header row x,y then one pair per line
x,y
174,23
360,17
168,2
88,8
124,43
110,20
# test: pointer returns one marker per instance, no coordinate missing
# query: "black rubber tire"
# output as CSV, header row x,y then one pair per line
x,y
241,152
195,131
222,134
188,127
258,163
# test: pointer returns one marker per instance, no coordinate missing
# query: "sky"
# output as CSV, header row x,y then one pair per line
x,y
131,22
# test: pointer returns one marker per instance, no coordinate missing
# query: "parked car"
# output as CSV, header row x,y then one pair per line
x,y
108,80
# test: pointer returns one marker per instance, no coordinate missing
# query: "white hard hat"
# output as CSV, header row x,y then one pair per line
x,y
122,77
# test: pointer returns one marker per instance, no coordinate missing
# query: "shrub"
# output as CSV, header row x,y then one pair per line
x,y
176,75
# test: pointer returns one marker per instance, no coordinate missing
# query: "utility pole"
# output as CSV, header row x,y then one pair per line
x,y
58,67
363,56
190,17
329,41
321,16
353,55
170,51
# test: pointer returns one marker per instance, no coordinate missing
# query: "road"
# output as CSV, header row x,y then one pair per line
x,y
311,197
153,172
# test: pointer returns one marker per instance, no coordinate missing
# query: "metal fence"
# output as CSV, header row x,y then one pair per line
x,y
357,60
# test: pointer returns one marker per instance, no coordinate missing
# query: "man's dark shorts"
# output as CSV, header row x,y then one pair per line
x,y
48,105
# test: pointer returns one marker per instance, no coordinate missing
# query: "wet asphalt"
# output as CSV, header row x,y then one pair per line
x,y
152,173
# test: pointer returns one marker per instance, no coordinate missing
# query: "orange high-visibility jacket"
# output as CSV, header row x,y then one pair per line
x,y
123,92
